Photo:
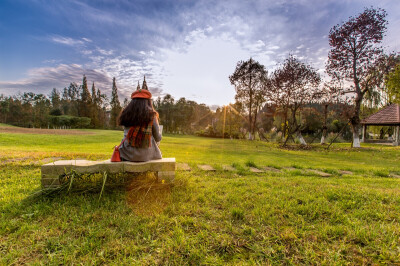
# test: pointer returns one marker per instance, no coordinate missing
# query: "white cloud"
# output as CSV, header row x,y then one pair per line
x,y
67,40
129,71
105,52
273,47
86,52
42,80
256,47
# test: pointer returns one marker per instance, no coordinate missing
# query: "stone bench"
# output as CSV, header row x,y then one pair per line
x,y
52,172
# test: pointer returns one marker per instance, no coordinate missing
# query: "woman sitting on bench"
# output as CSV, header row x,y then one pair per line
x,y
141,129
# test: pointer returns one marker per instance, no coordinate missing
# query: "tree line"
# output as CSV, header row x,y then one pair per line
x,y
361,77
78,107
74,107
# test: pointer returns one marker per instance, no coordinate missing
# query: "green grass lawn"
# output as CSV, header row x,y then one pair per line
x,y
291,217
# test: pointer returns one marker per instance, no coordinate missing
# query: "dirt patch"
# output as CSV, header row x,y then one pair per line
x,y
23,130
49,160
295,147
15,160
23,159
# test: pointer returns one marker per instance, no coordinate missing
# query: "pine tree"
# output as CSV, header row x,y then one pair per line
x,y
99,105
115,106
65,102
94,110
65,94
86,99
55,98
73,103
126,102
93,94
144,85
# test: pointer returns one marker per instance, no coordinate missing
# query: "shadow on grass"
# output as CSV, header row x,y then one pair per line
x,y
142,192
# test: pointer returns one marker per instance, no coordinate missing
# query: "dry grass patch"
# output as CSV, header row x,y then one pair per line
x,y
22,130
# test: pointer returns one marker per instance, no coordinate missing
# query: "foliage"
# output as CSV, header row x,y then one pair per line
x,y
393,85
249,79
228,122
312,120
94,108
115,106
55,99
378,94
85,102
69,121
182,116
37,110
292,86
328,95
27,109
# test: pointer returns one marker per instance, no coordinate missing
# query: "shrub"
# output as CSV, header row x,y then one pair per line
x,y
237,214
250,164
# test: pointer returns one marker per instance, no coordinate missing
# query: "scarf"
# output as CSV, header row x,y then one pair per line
x,y
140,136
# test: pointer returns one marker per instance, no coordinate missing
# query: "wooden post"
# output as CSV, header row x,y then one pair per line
x,y
364,129
396,141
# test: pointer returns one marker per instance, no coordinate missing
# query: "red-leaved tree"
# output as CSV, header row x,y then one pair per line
x,y
355,48
290,87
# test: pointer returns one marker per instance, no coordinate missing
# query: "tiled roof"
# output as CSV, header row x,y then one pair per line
x,y
390,115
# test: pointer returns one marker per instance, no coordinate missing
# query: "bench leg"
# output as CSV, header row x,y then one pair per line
x,y
167,176
50,181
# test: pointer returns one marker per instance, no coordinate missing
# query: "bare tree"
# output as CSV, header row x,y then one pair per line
x,y
355,47
290,87
249,81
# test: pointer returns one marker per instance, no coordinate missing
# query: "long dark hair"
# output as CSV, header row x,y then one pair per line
x,y
138,112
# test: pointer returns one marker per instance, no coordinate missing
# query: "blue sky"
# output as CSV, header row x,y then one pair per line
x,y
185,48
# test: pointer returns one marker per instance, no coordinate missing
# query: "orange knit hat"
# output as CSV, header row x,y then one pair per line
x,y
145,94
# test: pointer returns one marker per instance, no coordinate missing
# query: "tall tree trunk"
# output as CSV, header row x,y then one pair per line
x,y
250,110
355,122
356,138
254,122
285,124
355,119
